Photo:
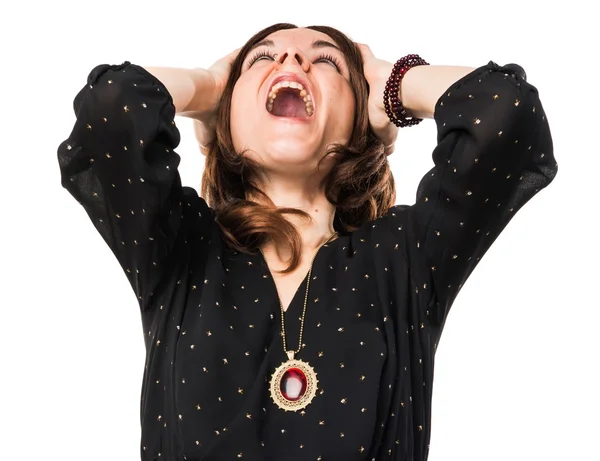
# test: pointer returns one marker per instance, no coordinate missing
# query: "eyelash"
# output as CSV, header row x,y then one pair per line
x,y
263,53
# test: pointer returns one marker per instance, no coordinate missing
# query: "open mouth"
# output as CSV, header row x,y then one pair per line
x,y
290,99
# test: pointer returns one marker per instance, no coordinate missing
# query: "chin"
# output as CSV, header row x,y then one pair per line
x,y
287,161
285,153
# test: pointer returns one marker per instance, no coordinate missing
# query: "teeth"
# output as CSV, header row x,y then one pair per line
x,y
286,84
310,108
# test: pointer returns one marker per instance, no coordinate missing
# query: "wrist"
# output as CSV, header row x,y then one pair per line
x,y
422,86
205,98
409,95
399,105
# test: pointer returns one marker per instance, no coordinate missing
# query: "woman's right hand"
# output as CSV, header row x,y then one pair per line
x,y
204,125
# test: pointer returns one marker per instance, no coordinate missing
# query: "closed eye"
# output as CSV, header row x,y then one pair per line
x,y
261,54
266,54
331,59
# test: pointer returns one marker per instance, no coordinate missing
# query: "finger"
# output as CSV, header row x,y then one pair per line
x,y
204,136
231,56
365,50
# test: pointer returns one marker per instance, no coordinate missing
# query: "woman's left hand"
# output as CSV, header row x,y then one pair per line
x,y
377,71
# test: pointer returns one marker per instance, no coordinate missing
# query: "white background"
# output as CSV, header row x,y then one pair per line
x,y
517,368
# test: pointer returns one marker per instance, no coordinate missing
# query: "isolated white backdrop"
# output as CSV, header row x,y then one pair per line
x,y
516,375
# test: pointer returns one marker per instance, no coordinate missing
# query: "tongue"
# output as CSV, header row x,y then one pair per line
x,y
288,103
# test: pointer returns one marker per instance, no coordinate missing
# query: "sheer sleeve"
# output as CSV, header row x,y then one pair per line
x,y
119,164
494,153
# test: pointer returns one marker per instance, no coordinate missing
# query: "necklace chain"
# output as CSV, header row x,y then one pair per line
x,y
284,337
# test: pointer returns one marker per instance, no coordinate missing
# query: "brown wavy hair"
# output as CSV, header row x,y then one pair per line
x,y
360,184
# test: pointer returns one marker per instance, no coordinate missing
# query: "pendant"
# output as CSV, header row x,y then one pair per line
x,y
293,384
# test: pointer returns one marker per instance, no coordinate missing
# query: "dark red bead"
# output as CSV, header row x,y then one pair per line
x,y
293,384
393,106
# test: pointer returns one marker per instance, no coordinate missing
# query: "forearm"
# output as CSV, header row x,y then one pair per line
x,y
422,86
192,90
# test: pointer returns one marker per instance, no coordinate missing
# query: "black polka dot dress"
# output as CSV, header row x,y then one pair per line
x,y
378,297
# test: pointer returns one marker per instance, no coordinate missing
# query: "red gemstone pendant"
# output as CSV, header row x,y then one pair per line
x,y
293,385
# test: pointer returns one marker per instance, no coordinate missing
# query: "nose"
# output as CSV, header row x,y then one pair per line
x,y
293,56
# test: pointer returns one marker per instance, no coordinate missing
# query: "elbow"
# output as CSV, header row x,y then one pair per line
x,y
516,70
103,92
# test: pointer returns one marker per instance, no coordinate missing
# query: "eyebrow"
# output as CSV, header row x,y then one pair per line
x,y
316,44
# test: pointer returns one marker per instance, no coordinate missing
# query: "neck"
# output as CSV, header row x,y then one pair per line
x,y
305,195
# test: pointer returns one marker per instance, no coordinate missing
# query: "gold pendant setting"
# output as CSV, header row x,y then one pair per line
x,y
293,384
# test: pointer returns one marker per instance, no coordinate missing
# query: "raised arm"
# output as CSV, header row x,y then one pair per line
x,y
194,91
197,93
119,163
494,153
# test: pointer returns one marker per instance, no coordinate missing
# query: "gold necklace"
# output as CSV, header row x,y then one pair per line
x,y
294,383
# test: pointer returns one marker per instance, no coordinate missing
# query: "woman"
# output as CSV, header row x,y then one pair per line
x,y
293,312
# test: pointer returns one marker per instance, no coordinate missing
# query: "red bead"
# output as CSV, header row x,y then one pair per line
x,y
293,384
393,107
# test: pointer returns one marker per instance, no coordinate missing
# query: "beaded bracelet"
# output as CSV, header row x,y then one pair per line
x,y
396,111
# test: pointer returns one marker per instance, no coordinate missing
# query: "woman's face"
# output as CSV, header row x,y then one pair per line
x,y
284,126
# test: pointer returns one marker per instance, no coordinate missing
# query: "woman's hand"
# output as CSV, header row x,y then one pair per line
x,y
377,71
204,124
